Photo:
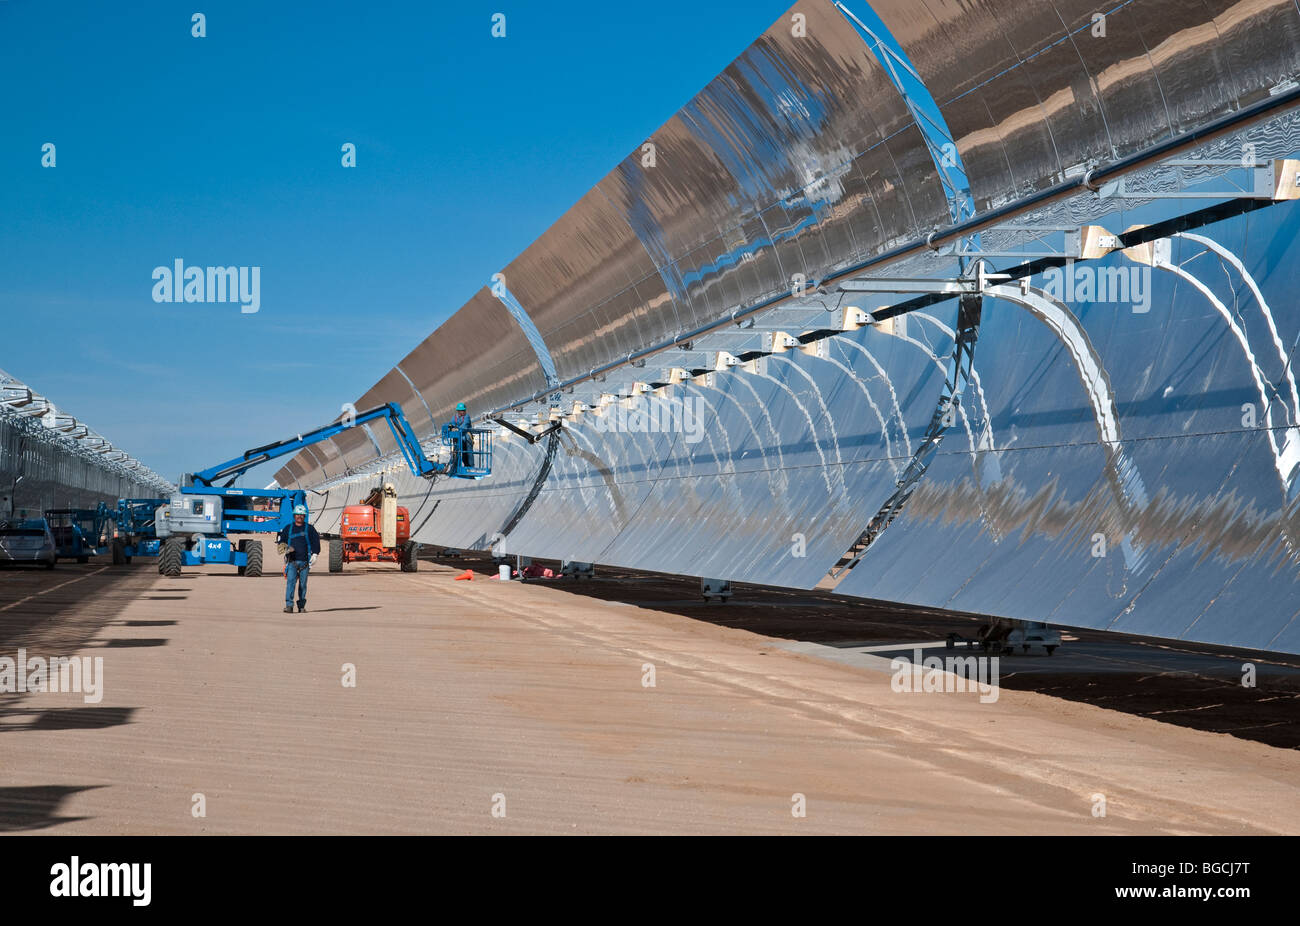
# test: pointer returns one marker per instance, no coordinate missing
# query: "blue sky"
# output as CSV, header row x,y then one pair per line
x,y
225,150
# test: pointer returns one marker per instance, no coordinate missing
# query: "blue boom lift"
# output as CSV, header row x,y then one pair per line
x,y
133,532
80,533
195,526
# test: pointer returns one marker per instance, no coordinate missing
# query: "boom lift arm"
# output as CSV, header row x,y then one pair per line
x,y
403,434
194,527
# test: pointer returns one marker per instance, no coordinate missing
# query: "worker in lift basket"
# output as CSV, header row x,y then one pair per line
x,y
300,545
461,421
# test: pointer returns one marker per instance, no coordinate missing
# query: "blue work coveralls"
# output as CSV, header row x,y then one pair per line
x,y
303,543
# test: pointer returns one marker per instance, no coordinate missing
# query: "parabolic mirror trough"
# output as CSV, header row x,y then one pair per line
x,y
986,306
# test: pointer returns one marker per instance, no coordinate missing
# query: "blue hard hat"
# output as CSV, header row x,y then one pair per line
x,y
460,406
300,509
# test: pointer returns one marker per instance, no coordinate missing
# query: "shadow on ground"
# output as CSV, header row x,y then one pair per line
x,y
73,610
37,807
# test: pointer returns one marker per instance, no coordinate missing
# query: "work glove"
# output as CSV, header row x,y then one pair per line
x,y
312,561
282,549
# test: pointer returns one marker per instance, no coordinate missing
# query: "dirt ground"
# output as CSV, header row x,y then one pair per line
x,y
1188,684
415,703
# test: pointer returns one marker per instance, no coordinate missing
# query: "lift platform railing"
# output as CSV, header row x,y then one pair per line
x,y
471,451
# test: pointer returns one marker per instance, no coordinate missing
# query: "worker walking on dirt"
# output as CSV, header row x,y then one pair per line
x,y
461,422
300,545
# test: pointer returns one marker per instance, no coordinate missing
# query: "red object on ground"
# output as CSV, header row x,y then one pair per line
x,y
467,575
534,571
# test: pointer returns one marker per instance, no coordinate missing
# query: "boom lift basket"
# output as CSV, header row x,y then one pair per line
x,y
471,451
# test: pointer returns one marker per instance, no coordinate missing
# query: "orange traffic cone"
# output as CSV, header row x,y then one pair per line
x,y
467,576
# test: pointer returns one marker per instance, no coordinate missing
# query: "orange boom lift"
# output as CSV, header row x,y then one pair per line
x,y
376,531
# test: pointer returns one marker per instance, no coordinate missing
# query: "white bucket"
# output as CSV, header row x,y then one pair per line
x,y
503,572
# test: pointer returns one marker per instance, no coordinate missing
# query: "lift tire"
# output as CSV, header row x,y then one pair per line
x,y
410,558
336,554
119,553
254,568
242,547
170,556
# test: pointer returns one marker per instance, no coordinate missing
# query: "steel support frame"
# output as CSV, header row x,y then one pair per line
x,y
960,365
